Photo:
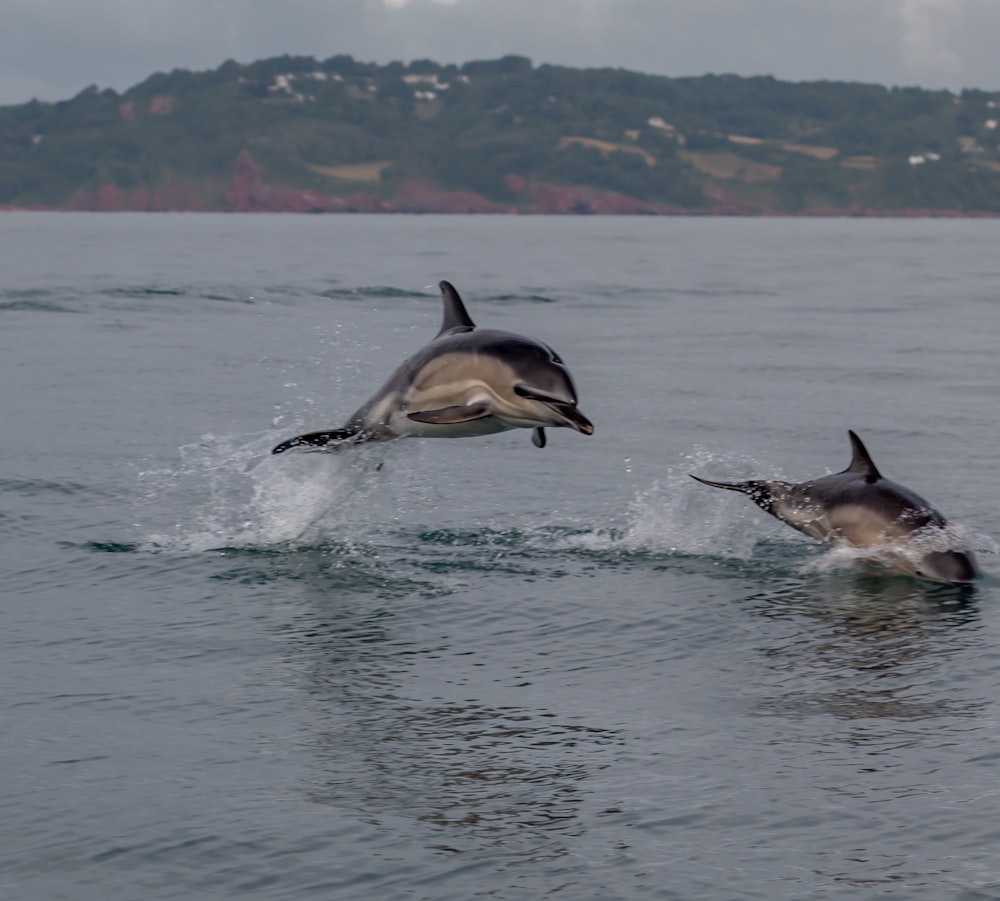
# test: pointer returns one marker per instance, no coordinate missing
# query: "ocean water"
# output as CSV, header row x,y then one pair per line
x,y
470,668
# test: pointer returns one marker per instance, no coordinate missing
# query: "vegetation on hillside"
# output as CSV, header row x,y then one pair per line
x,y
340,126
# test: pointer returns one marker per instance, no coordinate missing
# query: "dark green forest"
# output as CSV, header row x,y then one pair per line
x,y
340,128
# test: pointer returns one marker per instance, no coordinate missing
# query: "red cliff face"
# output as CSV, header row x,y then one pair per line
x,y
171,195
161,105
576,199
247,191
421,197
243,190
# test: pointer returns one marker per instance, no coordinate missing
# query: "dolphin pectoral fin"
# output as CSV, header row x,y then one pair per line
x,y
451,415
538,437
315,439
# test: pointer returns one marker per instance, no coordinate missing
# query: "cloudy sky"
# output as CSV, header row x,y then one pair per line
x,y
51,49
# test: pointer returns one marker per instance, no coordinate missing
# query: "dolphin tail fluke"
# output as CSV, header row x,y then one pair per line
x,y
316,439
763,494
742,487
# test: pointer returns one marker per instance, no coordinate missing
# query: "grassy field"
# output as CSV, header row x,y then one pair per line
x,y
818,153
363,172
607,147
723,164
860,162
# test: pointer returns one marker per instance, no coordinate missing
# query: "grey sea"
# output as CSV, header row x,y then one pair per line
x,y
457,669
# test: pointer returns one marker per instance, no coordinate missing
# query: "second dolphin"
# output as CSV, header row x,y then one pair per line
x,y
862,508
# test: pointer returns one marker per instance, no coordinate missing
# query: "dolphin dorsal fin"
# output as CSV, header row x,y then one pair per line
x,y
861,462
455,315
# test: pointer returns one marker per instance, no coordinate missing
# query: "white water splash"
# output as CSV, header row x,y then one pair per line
x,y
676,515
904,555
229,491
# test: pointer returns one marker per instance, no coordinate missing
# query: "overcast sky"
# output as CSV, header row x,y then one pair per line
x,y
51,49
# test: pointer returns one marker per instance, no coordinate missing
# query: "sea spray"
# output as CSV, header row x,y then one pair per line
x,y
673,516
236,494
903,554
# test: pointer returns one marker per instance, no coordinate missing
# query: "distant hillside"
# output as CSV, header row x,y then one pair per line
x,y
291,133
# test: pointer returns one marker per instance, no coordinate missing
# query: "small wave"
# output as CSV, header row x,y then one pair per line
x,y
144,291
371,291
35,300
39,487
511,539
111,547
530,298
721,291
227,298
194,292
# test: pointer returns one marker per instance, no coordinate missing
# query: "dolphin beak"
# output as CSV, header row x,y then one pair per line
x,y
573,417
565,409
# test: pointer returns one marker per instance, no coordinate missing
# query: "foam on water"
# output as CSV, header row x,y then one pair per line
x,y
677,516
904,555
232,493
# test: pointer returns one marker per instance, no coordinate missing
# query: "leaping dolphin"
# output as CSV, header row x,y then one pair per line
x,y
860,507
467,381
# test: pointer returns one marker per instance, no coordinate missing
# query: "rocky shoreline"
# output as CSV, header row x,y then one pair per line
x,y
248,192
